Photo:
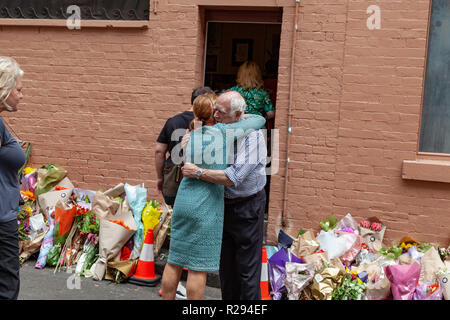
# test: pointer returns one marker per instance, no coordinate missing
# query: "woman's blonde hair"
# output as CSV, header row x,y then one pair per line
x,y
249,76
9,72
203,108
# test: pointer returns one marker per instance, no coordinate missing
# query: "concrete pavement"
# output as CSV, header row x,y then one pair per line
x,y
36,284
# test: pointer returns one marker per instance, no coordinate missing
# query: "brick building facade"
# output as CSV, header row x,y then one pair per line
x,y
96,99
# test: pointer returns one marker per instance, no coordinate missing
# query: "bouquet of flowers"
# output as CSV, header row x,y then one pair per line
x,y
86,220
150,215
406,243
372,233
88,257
28,207
428,291
404,279
352,287
23,217
444,253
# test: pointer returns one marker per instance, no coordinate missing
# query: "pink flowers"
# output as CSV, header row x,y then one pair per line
x,y
365,224
375,226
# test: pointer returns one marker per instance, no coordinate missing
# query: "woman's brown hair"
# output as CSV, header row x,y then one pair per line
x,y
203,108
249,76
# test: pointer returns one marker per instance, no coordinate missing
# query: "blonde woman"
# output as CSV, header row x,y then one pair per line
x,y
249,84
12,158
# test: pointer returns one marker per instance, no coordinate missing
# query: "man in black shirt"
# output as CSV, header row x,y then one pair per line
x,y
168,170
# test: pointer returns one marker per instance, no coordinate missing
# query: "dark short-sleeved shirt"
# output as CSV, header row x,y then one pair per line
x,y
12,158
171,136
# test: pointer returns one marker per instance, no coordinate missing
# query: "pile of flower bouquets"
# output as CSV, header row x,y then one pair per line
x,y
348,260
100,234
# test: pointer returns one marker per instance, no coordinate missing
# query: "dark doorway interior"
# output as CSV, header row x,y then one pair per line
x,y
229,44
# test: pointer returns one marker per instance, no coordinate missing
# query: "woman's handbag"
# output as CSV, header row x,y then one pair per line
x,y
171,181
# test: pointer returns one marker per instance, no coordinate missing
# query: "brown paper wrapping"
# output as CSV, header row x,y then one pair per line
x,y
126,268
112,237
49,199
373,239
379,290
161,218
431,263
406,259
104,206
305,244
115,191
318,260
27,248
73,246
324,283
162,233
445,285
306,294
65,183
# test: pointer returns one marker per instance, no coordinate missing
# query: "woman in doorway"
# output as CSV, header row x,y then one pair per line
x,y
198,212
249,84
12,158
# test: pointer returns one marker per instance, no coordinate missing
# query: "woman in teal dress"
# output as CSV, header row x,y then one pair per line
x,y
197,220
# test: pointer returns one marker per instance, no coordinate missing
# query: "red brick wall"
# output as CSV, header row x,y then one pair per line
x,y
357,107
96,99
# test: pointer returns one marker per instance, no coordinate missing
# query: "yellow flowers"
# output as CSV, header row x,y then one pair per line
x,y
28,170
28,210
405,245
150,216
354,275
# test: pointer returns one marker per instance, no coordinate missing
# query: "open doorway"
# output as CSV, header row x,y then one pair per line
x,y
229,43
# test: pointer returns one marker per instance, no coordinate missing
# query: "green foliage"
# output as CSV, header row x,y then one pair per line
x,y
329,223
393,253
350,289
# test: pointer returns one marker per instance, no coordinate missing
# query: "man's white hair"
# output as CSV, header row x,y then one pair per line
x,y
237,103
9,72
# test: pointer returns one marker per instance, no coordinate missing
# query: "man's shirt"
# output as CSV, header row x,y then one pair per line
x,y
247,172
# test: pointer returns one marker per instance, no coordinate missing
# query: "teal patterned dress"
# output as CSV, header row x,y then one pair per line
x,y
258,100
197,220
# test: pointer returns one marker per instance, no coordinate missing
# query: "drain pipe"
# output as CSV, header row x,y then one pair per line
x,y
289,130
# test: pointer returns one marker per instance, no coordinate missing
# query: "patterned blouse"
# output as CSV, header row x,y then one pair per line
x,y
258,100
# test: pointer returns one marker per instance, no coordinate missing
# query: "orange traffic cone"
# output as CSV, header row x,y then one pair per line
x,y
145,270
264,276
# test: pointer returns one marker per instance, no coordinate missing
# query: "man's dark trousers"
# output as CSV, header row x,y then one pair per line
x,y
240,261
9,260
